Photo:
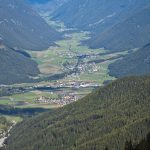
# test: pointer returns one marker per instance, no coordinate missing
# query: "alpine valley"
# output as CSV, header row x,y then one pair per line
x,y
74,75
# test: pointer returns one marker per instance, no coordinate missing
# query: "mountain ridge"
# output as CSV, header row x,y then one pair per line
x,y
20,27
16,67
105,18
136,63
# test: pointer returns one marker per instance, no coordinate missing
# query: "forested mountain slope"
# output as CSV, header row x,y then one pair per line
x,y
143,145
136,63
109,116
132,32
86,14
108,21
22,28
16,67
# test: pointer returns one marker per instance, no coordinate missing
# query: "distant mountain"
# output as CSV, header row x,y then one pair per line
x,y
136,63
16,67
23,28
86,14
46,5
108,21
130,33
109,116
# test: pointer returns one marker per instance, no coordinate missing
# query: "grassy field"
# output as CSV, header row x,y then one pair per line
x,y
13,118
27,100
51,61
67,50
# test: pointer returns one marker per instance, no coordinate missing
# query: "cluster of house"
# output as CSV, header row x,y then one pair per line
x,y
60,101
65,54
77,84
85,67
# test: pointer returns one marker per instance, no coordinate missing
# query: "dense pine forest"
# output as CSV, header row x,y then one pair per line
x,y
143,145
109,116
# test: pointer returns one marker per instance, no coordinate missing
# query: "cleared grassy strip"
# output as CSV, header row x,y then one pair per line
x,y
27,100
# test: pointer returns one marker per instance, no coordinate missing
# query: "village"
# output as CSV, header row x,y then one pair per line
x,y
64,96
61,101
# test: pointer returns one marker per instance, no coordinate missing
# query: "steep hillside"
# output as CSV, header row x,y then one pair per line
x,y
107,117
85,14
15,67
130,33
108,20
21,27
137,63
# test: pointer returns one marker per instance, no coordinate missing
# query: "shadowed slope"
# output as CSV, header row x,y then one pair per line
x,y
107,117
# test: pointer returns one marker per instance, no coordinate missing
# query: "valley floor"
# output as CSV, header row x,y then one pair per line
x,y
69,71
